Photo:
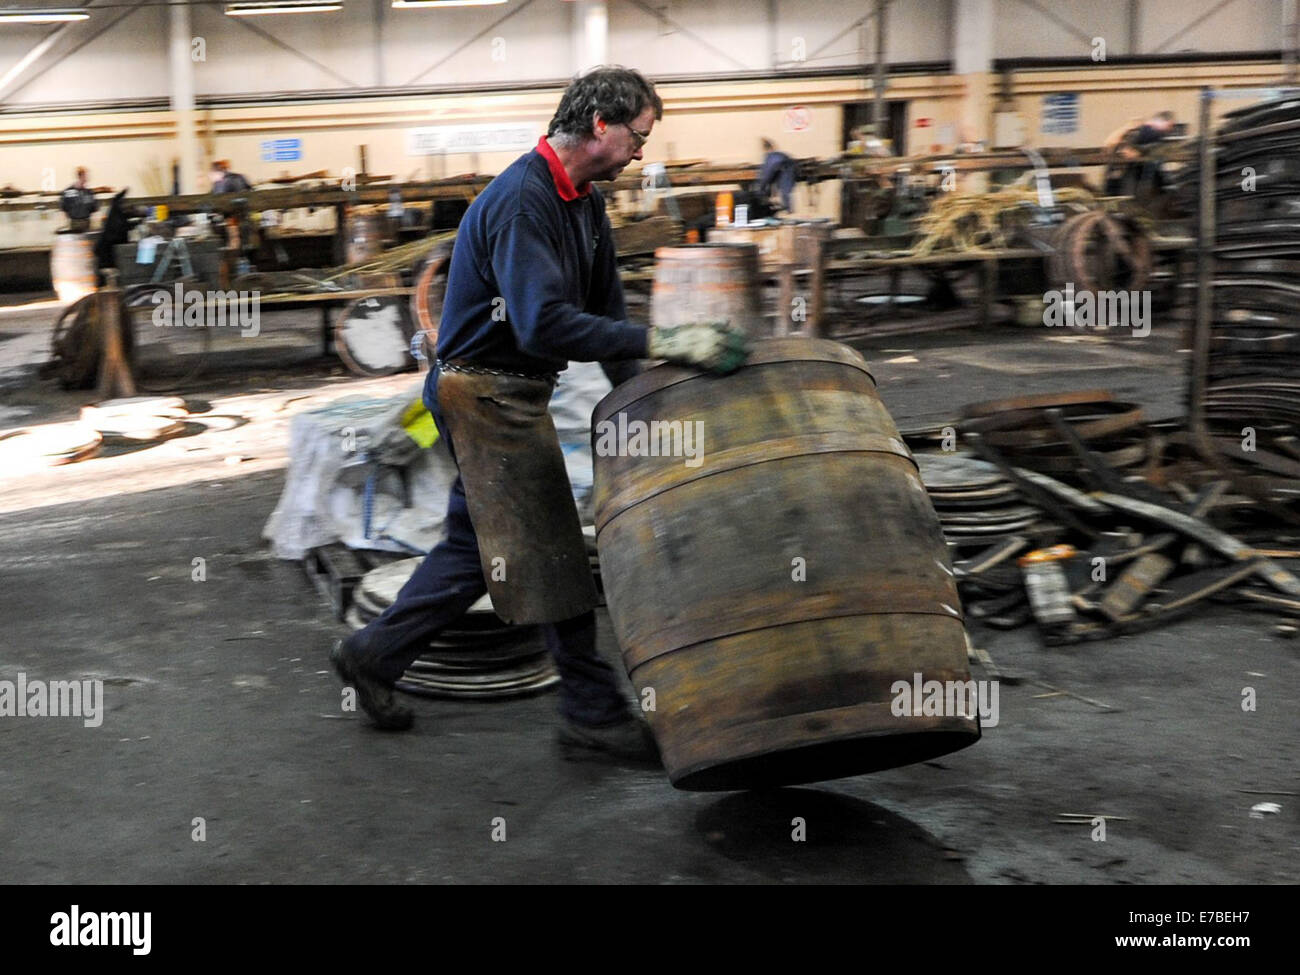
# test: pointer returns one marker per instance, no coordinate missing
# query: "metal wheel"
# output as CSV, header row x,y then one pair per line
x,y
1098,250
166,354
373,335
76,344
426,302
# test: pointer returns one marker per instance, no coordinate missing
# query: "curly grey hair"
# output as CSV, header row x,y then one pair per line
x,y
618,94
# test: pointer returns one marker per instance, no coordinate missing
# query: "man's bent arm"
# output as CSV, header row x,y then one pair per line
x,y
607,300
545,322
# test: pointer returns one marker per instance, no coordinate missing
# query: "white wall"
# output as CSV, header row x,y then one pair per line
x,y
369,45
128,60
1242,25
1024,29
365,45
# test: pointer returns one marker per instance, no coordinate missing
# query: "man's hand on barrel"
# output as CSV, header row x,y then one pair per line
x,y
716,346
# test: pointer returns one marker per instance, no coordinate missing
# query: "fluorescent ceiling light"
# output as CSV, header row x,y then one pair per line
x,y
283,7
49,16
429,4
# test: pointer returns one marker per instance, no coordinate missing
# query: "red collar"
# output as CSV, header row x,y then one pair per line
x,y
563,185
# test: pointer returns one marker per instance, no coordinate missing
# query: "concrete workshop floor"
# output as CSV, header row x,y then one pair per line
x,y
219,704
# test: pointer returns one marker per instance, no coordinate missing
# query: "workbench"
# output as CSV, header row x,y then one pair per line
x,y
848,256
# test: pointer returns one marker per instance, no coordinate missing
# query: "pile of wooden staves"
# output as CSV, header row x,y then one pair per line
x,y
1122,540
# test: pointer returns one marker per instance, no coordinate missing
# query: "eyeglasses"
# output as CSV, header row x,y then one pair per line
x,y
640,137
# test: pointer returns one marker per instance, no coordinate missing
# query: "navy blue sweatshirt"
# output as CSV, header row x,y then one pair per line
x,y
533,281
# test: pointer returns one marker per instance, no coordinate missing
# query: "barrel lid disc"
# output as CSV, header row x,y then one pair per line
x,y
956,471
381,585
373,335
56,443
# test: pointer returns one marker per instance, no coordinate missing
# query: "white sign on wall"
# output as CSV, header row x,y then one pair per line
x,y
439,140
798,118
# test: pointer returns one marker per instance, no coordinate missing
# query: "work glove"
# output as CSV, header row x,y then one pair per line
x,y
716,346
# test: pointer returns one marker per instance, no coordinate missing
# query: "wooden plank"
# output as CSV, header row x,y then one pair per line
x,y
306,298
1221,542
1134,585
115,378
644,236
846,168
846,260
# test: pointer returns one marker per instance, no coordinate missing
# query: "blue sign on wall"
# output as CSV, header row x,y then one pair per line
x,y
1061,114
281,150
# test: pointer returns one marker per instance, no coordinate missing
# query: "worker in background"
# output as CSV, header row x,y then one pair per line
x,y
224,181
238,230
1131,144
78,202
532,284
778,172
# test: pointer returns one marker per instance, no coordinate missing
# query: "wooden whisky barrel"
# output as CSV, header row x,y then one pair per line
x,y
774,588
72,266
706,282
365,236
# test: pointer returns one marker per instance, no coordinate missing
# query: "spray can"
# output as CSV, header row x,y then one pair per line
x,y
722,209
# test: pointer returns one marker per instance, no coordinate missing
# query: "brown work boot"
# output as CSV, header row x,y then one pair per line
x,y
373,694
628,740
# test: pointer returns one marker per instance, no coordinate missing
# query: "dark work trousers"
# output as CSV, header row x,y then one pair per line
x,y
442,589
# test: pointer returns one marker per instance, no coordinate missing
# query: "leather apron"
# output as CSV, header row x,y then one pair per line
x,y
531,547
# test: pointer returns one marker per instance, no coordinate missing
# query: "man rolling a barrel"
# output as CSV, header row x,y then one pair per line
x,y
532,285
